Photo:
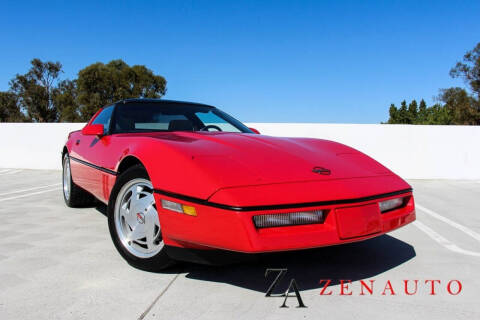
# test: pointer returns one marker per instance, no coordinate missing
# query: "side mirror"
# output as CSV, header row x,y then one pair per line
x,y
254,130
93,130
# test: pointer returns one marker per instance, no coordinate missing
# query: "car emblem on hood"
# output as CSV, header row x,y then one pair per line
x,y
322,171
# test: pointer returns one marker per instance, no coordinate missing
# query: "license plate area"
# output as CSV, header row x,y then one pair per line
x,y
358,221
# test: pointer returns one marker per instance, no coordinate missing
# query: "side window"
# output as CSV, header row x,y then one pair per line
x,y
104,118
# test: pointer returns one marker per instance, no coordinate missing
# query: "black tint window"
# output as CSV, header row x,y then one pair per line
x,y
104,118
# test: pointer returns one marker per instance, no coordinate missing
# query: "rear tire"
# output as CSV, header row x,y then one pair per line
x,y
74,196
133,221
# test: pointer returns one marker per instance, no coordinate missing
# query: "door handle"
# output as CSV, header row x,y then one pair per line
x,y
77,142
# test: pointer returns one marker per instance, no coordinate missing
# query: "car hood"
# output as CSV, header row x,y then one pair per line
x,y
213,161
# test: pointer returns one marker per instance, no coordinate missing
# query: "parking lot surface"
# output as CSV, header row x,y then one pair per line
x,y
59,263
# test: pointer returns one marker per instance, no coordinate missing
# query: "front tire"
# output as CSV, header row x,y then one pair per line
x,y
133,221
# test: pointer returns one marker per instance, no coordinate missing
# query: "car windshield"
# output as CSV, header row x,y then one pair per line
x,y
172,116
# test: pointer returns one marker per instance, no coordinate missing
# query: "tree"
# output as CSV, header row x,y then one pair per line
x,y
42,96
66,101
422,112
393,112
412,111
469,69
403,116
35,90
460,106
439,115
465,108
102,84
9,109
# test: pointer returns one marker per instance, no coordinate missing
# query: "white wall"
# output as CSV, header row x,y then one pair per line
x,y
412,151
33,145
415,152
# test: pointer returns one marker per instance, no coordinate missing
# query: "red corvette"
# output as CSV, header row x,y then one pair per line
x,y
185,180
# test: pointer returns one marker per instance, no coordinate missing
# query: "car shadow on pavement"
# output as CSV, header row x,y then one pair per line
x,y
354,261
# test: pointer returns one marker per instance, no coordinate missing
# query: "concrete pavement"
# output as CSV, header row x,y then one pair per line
x,y
59,263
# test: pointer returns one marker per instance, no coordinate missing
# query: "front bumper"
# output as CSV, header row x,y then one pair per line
x,y
234,230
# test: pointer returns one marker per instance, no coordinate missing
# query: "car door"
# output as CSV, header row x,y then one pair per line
x,y
91,170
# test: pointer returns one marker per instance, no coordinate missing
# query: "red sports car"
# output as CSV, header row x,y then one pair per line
x,y
183,181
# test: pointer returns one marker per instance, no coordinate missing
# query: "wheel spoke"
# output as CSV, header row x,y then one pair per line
x,y
134,191
137,233
129,215
143,204
151,220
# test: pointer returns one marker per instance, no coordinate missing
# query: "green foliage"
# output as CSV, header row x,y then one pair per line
x,y
436,114
412,111
394,114
9,110
422,112
41,96
66,101
456,105
35,90
102,84
403,115
469,69
460,106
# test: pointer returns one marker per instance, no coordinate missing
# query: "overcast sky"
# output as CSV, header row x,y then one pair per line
x,y
261,61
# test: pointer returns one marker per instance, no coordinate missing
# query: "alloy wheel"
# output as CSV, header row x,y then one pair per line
x,y
136,219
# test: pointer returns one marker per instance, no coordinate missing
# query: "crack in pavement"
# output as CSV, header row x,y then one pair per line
x,y
144,314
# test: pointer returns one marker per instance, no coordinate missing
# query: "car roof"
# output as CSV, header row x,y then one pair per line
x,y
160,101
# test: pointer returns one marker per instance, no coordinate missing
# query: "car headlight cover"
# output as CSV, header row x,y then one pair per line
x,y
288,219
391,204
